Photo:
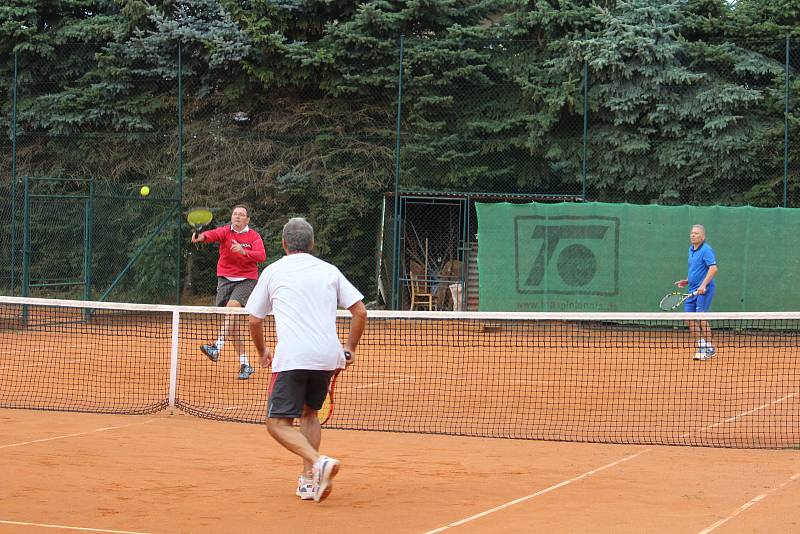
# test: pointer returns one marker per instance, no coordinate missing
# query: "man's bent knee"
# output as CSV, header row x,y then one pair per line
x,y
275,424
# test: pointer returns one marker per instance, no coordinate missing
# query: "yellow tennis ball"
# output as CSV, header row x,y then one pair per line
x,y
144,191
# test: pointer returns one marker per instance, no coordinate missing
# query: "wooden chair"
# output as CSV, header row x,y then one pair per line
x,y
420,294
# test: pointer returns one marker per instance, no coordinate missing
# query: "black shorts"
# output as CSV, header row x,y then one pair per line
x,y
229,290
291,391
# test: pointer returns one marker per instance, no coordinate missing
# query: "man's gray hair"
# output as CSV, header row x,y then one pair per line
x,y
298,235
700,227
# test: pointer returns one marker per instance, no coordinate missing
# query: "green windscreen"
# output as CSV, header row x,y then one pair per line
x,y
624,257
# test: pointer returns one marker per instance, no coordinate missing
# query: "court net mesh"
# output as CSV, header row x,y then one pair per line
x,y
611,378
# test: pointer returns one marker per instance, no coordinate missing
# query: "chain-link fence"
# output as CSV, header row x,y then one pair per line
x,y
86,136
697,123
709,123
387,171
707,126
318,159
472,121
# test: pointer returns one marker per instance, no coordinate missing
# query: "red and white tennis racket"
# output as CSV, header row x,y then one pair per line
x,y
325,413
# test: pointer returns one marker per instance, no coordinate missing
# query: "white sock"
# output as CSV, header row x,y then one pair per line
x,y
243,359
220,343
702,343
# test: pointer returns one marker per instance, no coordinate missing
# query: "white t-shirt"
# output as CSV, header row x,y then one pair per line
x,y
303,293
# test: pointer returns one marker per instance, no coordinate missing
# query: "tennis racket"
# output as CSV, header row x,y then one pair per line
x,y
325,413
198,219
674,299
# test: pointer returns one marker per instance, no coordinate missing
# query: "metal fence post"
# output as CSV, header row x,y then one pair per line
x,y
179,210
395,304
88,218
14,178
26,239
584,154
786,128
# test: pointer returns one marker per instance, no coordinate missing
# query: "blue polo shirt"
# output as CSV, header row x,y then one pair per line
x,y
699,262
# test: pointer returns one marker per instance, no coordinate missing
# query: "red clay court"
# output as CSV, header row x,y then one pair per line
x,y
592,403
177,473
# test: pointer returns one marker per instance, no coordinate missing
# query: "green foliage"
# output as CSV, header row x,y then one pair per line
x,y
693,114
151,278
685,105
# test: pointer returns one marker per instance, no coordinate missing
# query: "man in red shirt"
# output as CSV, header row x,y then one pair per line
x,y
240,251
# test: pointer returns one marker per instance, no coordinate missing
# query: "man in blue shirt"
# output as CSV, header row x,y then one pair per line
x,y
700,282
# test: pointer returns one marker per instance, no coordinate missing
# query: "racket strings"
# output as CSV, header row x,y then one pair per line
x,y
672,300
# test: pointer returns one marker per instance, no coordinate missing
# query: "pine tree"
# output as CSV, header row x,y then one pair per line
x,y
672,120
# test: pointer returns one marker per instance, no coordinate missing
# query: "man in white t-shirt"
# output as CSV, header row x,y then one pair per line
x,y
303,293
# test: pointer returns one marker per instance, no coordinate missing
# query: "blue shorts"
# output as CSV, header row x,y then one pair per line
x,y
700,303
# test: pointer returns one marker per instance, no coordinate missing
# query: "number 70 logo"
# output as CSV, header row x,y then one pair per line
x,y
567,255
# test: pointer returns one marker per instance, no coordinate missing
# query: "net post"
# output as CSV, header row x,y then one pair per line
x,y
173,357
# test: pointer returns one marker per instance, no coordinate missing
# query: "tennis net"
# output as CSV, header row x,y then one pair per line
x,y
611,378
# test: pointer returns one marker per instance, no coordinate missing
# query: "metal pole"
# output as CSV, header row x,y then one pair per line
x,y
395,304
467,236
26,239
26,277
585,127
786,129
88,217
179,210
14,179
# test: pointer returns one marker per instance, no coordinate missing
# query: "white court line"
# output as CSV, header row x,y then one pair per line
x,y
17,367
739,416
366,373
381,383
538,493
74,435
505,382
61,362
767,405
588,473
86,529
748,504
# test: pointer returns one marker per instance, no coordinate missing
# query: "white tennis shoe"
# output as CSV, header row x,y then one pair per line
x,y
705,353
325,468
305,488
